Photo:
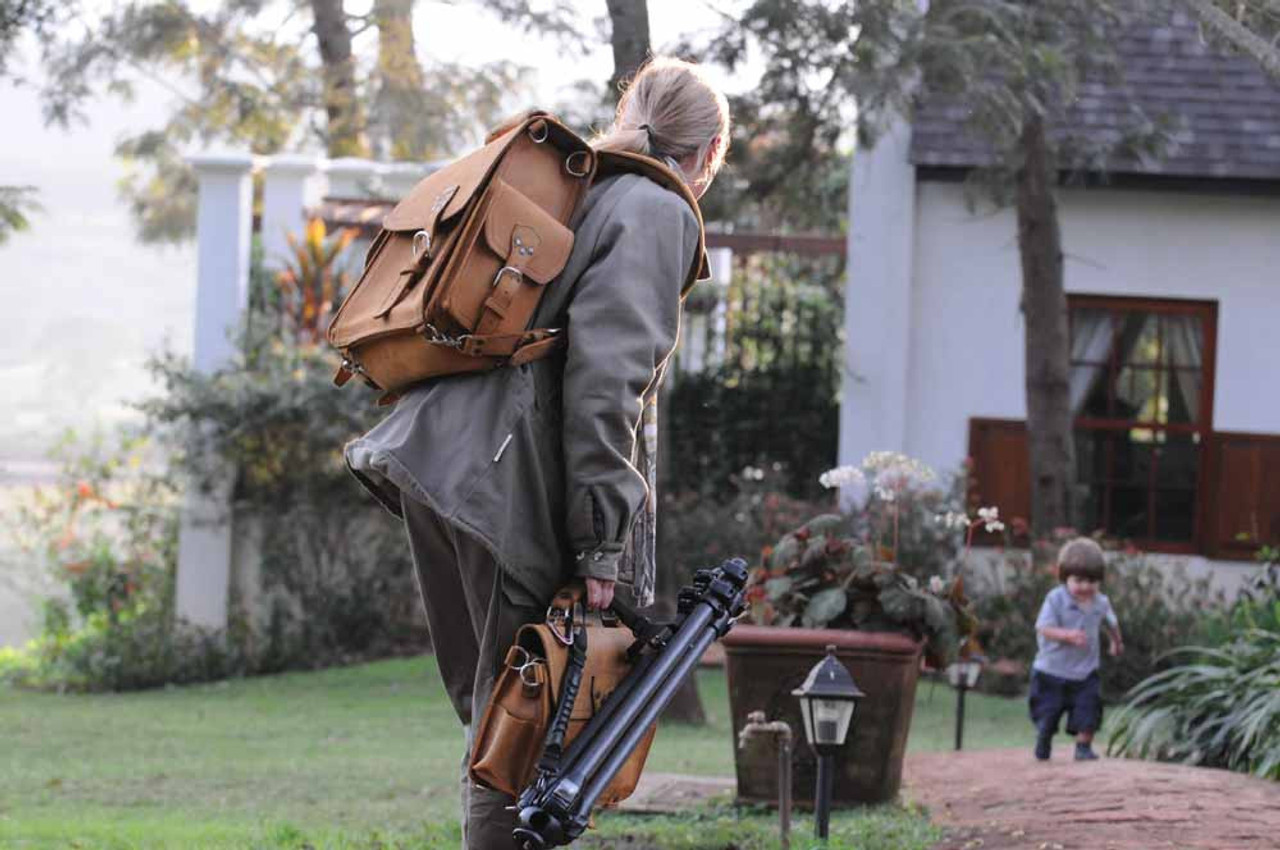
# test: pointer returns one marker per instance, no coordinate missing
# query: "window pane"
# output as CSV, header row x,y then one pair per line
x,y
1089,391
1184,340
1179,461
1175,515
1128,515
1092,335
1131,458
1184,396
1089,504
1140,339
1141,395
1091,455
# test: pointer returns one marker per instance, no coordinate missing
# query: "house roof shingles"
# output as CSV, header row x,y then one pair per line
x,y
1224,111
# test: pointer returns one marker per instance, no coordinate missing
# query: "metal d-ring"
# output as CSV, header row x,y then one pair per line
x,y
586,163
538,131
421,243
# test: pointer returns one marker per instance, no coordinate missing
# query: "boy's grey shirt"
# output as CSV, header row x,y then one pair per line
x,y
543,462
1061,611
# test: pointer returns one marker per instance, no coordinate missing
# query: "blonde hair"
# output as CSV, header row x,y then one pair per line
x,y
1081,557
670,108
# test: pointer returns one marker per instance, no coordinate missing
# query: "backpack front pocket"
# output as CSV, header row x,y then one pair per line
x,y
509,251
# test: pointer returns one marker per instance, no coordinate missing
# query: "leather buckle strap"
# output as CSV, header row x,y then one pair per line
x,y
509,345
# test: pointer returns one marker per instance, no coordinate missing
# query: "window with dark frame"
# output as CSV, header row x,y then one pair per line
x,y
1141,389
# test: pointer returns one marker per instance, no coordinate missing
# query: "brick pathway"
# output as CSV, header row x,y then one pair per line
x,y
1004,799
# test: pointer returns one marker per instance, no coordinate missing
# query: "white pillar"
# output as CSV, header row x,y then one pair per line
x,y
352,178
224,219
877,321
399,177
291,184
721,260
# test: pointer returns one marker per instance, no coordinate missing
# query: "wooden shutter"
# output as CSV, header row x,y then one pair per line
x,y
1001,473
1242,509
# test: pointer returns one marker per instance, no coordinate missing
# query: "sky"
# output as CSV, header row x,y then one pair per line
x,y
85,303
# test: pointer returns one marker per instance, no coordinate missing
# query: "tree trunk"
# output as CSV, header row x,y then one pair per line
x,y
1044,309
341,98
630,38
398,114
686,705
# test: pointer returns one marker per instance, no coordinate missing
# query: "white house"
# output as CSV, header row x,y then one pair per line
x,y
1173,279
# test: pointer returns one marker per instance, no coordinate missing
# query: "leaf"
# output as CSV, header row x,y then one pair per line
x,y
824,607
814,553
787,550
827,525
776,588
899,604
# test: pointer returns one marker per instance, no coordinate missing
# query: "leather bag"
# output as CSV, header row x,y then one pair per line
x,y
509,740
452,280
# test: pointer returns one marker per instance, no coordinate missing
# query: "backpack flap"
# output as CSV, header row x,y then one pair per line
x,y
496,290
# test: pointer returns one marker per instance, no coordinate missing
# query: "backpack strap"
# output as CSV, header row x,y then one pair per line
x,y
619,162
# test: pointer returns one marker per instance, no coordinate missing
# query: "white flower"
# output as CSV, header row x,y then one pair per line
x,y
990,519
884,494
840,476
753,473
852,484
937,585
951,519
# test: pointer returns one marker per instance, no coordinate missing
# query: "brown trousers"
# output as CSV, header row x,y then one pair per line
x,y
473,612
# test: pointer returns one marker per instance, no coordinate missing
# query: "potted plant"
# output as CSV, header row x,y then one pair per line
x,y
840,579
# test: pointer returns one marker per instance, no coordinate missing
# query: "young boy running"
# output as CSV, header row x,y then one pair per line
x,y
1064,676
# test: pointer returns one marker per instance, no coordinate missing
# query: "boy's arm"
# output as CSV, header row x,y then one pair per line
x,y
1047,624
1112,624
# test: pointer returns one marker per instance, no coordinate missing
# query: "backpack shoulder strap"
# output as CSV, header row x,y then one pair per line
x,y
623,162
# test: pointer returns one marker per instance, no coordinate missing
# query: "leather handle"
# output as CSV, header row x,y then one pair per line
x,y
569,595
575,593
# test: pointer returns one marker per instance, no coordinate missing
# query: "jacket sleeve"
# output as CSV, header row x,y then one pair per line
x,y
623,322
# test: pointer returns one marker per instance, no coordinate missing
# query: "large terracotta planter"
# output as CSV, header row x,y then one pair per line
x,y
765,664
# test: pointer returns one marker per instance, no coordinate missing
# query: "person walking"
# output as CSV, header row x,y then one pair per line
x,y
511,482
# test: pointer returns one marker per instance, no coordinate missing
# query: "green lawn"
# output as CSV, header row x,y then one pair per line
x,y
360,757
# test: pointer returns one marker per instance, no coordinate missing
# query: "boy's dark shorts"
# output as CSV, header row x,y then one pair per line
x,y
1052,696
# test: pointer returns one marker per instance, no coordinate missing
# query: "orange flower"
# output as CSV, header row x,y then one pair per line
x,y
84,490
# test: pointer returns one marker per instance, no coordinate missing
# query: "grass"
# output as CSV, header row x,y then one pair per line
x,y
361,757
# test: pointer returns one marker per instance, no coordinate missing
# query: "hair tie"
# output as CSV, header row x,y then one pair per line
x,y
648,131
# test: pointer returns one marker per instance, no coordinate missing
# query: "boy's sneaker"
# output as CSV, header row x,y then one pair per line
x,y
1043,747
1084,752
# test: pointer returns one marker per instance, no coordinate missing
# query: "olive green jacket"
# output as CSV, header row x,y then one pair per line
x,y
543,462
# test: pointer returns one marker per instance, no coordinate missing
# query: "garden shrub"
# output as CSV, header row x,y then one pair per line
x,y
1219,707
696,530
1257,606
102,544
333,562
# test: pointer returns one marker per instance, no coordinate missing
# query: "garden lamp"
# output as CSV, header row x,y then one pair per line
x,y
963,675
828,700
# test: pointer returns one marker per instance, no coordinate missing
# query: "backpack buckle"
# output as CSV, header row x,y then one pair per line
x,y
508,270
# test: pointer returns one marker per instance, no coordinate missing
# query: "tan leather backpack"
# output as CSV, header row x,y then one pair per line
x,y
452,281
